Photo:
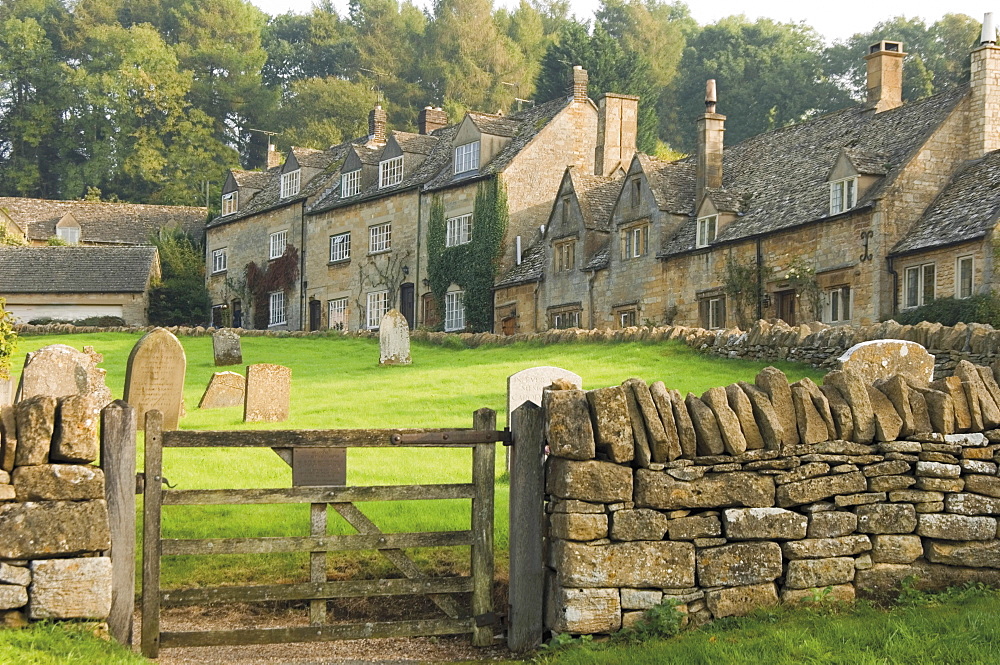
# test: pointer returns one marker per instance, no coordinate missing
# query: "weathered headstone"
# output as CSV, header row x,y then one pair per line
x,y
267,393
59,370
227,348
154,378
224,389
528,385
882,358
394,339
6,392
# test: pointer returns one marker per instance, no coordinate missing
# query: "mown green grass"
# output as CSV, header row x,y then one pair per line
x,y
48,643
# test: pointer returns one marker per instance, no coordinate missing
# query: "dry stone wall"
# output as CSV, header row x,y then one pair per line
x,y
761,493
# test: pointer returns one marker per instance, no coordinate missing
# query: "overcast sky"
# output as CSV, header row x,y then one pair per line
x,y
833,19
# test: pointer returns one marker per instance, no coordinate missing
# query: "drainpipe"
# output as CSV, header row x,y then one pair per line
x,y
760,281
895,286
416,271
590,296
303,315
534,308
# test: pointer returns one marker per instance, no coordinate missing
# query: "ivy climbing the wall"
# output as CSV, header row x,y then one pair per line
x,y
278,275
472,266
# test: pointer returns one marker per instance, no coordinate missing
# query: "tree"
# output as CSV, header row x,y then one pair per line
x,y
8,340
180,297
327,111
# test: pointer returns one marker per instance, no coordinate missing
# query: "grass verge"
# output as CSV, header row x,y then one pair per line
x,y
50,643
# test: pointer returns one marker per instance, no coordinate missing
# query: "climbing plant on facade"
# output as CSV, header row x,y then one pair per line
x,y
278,275
803,279
743,284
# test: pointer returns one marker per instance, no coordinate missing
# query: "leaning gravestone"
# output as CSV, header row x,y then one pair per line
x,y
267,393
227,348
154,378
224,389
59,370
883,358
528,384
394,339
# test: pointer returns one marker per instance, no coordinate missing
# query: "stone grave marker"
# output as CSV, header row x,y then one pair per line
x,y
882,358
227,347
394,339
59,370
267,393
224,389
6,392
528,384
154,378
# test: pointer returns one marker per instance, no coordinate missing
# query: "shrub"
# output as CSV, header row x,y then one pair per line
x,y
8,340
181,298
980,308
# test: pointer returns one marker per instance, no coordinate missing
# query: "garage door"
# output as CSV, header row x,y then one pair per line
x,y
25,313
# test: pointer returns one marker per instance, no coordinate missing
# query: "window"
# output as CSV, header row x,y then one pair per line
x,y
566,319
458,231
963,277
843,195
467,157
350,183
337,314
380,238
635,241
290,183
219,260
565,256
565,210
712,311
378,305
276,309
919,285
837,305
230,202
707,229
277,244
454,311
636,193
69,234
340,247
628,318
390,172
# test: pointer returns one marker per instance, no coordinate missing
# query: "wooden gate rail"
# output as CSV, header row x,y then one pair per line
x,y
481,438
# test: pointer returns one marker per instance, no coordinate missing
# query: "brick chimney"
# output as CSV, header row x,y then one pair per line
x,y
984,94
273,156
617,127
376,124
711,127
431,118
885,75
579,84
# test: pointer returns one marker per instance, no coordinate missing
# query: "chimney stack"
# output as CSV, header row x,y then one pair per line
x,y
885,75
431,118
617,127
579,84
273,156
711,127
984,95
376,124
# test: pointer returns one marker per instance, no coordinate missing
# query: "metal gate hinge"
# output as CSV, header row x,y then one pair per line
x,y
488,619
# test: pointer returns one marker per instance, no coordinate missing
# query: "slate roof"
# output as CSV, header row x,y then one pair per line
x,y
75,269
529,270
105,223
672,183
967,208
780,177
597,196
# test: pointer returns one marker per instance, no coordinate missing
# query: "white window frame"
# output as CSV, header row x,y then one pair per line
x,y
632,238
276,315
350,183
230,203
837,304
454,311
708,230
716,310
220,260
390,172
69,234
566,319
380,238
340,247
467,157
628,318
376,307
290,183
458,230
277,242
918,276
959,293
336,314
843,195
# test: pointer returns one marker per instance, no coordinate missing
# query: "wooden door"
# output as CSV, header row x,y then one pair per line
x,y
786,306
314,315
406,303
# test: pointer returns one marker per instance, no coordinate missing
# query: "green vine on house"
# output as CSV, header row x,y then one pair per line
x,y
278,275
743,284
472,266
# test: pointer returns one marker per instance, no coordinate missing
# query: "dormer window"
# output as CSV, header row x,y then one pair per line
x,y
390,172
467,157
636,193
843,195
69,234
290,183
707,229
230,202
350,183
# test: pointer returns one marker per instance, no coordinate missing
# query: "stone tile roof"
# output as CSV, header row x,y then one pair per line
x,y
497,125
75,269
531,268
421,144
252,179
597,196
672,183
104,223
869,163
967,208
600,259
312,158
780,176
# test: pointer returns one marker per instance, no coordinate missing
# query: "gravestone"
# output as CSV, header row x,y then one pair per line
x,y
227,347
154,378
883,358
6,392
224,389
528,384
267,393
394,339
59,370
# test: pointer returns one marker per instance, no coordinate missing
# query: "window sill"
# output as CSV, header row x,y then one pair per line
x,y
277,325
218,272
339,262
382,251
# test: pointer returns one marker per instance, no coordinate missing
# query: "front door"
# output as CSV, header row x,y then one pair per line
x,y
406,302
314,314
786,306
237,314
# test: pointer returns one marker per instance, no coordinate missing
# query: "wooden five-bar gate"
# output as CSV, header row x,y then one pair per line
x,y
304,445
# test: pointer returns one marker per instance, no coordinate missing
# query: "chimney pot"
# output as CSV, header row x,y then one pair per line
x,y
377,124
711,130
885,75
711,97
273,156
989,34
579,84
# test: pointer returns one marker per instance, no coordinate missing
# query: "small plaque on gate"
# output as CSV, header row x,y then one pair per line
x,y
319,466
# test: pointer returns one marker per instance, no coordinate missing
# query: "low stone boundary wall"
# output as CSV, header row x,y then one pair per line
x,y
757,494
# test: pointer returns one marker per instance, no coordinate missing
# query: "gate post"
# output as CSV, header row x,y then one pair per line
x,y
118,463
484,479
151,512
527,514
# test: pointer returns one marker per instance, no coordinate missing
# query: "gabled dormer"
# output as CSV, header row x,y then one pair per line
x,y
291,176
68,229
579,224
480,138
717,210
240,187
11,229
391,165
854,172
230,195
403,154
